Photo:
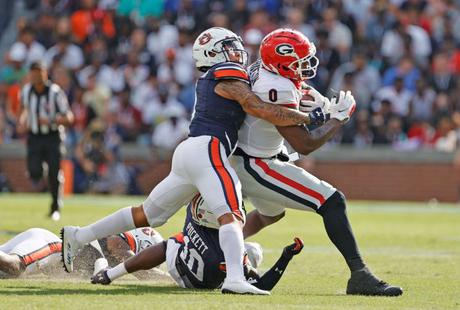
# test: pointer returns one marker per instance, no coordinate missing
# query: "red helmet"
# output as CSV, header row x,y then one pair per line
x,y
289,53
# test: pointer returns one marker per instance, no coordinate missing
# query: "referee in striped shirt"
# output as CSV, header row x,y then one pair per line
x,y
45,113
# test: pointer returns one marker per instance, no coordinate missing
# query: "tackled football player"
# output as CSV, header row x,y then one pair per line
x,y
195,259
200,163
38,251
272,183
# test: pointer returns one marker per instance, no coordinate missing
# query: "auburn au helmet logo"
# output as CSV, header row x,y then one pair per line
x,y
284,49
205,38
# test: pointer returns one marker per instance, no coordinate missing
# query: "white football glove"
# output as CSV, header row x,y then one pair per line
x,y
343,107
319,101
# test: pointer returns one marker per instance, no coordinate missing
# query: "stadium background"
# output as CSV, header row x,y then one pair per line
x,y
127,69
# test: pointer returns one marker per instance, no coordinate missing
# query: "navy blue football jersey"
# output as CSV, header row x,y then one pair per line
x,y
199,255
214,115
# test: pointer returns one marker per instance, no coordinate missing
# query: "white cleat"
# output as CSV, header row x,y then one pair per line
x,y
241,287
70,246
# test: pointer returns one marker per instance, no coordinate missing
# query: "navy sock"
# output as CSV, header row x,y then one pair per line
x,y
339,230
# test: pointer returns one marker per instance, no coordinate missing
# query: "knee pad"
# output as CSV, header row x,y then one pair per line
x,y
334,203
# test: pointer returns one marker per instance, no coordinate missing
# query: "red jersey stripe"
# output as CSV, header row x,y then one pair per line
x,y
276,175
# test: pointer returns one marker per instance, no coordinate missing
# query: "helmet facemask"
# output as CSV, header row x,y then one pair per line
x,y
232,49
305,68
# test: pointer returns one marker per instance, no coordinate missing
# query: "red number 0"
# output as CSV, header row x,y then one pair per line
x,y
273,95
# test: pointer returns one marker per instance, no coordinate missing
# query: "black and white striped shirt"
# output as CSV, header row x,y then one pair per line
x,y
48,104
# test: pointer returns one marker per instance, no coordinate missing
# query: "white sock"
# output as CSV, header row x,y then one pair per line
x,y
232,244
115,223
117,271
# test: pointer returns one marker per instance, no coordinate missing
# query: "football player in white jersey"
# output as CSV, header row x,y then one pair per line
x,y
38,250
272,183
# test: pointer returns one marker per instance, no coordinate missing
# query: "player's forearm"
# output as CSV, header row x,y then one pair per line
x,y
272,276
253,105
305,142
147,259
275,114
324,133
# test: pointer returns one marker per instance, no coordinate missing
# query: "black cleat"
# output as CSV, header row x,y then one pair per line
x,y
101,278
363,282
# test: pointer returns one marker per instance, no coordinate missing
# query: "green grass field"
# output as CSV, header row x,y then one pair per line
x,y
413,245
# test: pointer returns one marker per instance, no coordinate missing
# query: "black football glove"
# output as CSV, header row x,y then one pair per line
x,y
293,249
317,117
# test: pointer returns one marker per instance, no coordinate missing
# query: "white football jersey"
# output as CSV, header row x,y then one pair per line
x,y
140,238
257,137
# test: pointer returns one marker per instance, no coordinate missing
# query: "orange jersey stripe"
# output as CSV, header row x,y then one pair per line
x,y
131,241
179,237
230,73
46,251
227,182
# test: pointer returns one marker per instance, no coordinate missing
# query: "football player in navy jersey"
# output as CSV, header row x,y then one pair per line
x,y
195,259
200,163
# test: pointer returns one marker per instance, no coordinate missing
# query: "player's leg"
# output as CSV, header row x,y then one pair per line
x,y
53,159
33,250
34,161
220,187
337,224
164,201
274,185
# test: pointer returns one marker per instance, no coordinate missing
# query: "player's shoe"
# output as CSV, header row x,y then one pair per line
x,y
101,278
241,287
364,282
70,246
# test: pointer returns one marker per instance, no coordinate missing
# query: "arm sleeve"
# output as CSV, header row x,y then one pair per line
x,y
272,276
230,71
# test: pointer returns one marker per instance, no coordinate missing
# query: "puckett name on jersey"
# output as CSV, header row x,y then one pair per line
x,y
195,239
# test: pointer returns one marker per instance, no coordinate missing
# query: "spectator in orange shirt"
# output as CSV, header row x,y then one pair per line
x,y
89,20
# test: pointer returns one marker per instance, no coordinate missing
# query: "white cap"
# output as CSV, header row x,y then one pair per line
x,y
18,52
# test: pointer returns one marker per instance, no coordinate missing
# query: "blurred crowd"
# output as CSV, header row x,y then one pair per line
x,y
127,67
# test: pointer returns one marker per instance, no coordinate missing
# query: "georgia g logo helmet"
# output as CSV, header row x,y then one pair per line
x,y
289,53
285,49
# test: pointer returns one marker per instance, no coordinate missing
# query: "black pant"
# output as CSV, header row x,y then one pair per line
x,y
45,148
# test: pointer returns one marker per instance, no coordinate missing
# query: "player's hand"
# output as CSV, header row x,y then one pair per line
x,y
101,278
343,107
317,117
313,99
293,249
